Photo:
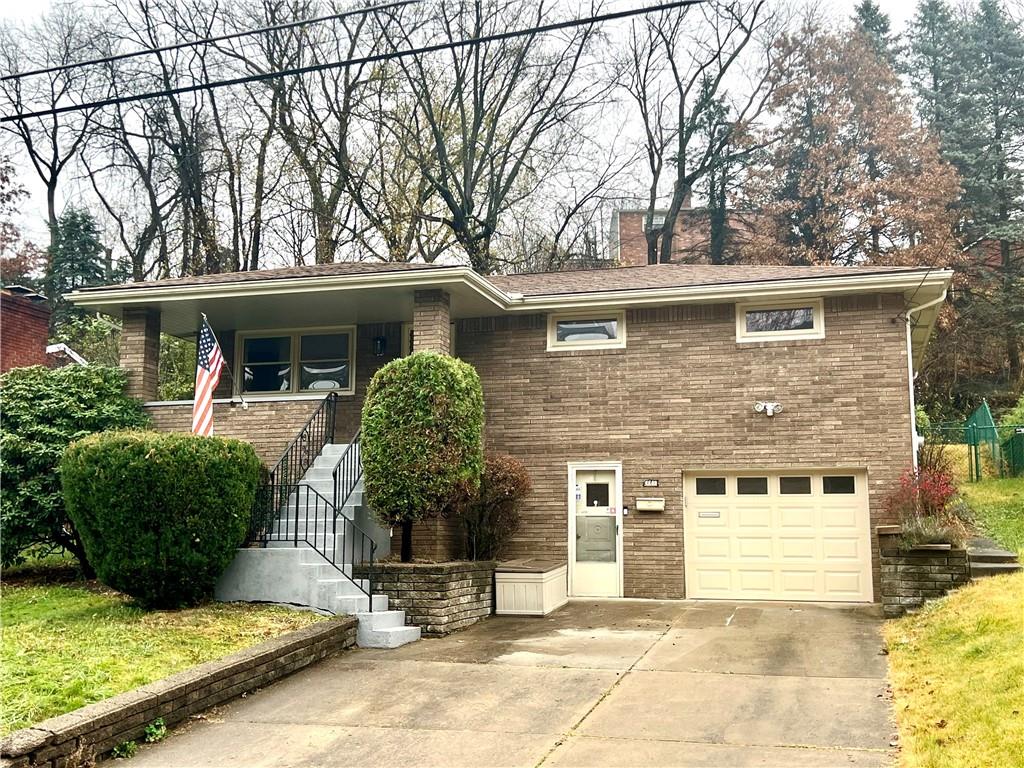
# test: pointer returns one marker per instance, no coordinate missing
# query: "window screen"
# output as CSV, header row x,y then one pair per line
x,y
710,486
792,486
586,330
838,484
324,361
266,364
752,486
774,320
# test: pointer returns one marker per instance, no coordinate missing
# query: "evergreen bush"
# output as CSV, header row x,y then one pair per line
x,y
422,439
44,410
160,514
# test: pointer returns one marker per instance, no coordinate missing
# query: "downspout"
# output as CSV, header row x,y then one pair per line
x,y
915,439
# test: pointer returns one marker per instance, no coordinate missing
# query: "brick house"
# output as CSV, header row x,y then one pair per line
x,y
24,328
691,236
691,430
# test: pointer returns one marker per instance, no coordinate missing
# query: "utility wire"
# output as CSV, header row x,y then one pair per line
x,y
208,40
452,45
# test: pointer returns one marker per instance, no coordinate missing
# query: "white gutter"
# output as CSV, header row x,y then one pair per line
x,y
915,439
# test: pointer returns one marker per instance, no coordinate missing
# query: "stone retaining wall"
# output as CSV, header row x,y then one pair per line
x,y
440,598
78,738
911,576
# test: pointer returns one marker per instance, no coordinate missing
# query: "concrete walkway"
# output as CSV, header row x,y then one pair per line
x,y
598,683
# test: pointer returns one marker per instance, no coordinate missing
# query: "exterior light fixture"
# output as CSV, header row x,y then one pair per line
x,y
380,345
768,409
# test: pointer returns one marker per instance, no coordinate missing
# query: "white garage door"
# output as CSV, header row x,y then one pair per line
x,y
793,535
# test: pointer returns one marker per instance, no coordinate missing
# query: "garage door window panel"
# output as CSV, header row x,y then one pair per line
x,y
795,486
839,485
752,486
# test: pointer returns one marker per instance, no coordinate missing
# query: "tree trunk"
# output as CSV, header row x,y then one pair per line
x,y
407,541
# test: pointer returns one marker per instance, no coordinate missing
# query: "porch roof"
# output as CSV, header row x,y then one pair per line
x,y
365,292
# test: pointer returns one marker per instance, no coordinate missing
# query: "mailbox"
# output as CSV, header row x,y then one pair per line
x,y
650,504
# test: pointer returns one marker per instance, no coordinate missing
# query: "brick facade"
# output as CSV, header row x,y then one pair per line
x,y
24,329
678,397
140,352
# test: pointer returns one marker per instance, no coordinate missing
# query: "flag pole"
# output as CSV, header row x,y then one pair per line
x,y
231,375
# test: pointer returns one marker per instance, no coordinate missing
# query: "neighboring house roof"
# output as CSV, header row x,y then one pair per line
x,y
64,351
377,292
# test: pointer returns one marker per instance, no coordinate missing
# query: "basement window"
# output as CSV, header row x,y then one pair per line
x,y
598,330
297,362
780,321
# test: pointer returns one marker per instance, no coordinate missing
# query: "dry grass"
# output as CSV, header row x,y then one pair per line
x,y
65,646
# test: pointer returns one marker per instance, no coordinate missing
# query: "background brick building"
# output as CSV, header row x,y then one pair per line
x,y
24,328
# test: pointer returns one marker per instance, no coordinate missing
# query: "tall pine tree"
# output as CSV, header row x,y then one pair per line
x,y
75,260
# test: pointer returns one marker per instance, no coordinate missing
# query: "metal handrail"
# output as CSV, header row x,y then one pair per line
x,y
299,514
307,444
347,472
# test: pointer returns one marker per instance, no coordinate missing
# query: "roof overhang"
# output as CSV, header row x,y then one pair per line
x,y
388,296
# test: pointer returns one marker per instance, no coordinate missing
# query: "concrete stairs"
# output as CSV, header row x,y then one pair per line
x,y
989,559
289,570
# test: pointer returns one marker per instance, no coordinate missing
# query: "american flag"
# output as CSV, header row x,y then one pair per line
x,y
207,375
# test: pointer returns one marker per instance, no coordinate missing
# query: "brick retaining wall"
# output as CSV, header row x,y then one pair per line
x,y
440,598
912,576
79,737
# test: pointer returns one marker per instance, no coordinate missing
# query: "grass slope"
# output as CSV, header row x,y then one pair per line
x,y
998,507
957,672
64,646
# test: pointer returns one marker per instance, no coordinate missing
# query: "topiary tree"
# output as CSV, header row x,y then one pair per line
x,y
160,514
491,518
422,439
43,411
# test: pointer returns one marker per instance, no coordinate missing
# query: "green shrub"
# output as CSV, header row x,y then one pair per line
x,y
160,514
43,411
492,517
422,445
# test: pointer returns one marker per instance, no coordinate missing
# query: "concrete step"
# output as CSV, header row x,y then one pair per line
x,y
351,605
384,637
382,619
991,556
981,570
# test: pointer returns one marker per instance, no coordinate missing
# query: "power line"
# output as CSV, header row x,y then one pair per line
x,y
452,45
207,41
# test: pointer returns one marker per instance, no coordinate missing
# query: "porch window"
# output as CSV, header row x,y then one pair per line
x,y
599,330
780,321
323,360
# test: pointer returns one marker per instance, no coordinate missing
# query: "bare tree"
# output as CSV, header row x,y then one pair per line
x,y
491,117
62,36
687,70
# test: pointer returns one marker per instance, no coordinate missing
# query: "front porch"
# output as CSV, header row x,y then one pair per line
x,y
286,348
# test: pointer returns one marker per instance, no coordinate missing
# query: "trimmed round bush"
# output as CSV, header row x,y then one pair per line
x,y
160,514
422,439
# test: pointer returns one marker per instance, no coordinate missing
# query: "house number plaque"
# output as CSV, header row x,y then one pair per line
x,y
650,483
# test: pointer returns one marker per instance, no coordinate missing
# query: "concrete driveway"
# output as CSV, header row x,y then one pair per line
x,y
598,683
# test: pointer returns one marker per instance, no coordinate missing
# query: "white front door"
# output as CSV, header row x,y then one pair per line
x,y
595,526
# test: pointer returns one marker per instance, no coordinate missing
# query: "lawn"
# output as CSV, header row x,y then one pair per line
x,y
957,666
998,507
957,672
67,645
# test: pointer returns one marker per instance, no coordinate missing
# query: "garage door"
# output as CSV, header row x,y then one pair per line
x,y
794,535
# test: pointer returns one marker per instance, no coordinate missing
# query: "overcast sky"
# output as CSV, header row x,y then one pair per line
x,y
33,210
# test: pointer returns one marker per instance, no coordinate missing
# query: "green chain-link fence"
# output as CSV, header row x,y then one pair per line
x,y
992,450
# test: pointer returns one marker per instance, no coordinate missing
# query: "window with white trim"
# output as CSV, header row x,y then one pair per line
x,y
594,330
778,321
324,360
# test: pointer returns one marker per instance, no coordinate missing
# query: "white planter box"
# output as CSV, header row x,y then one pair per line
x,y
530,587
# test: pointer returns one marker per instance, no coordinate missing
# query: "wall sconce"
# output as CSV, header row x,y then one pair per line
x,y
380,345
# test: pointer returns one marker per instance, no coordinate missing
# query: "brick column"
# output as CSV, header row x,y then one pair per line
x,y
431,321
438,539
140,351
